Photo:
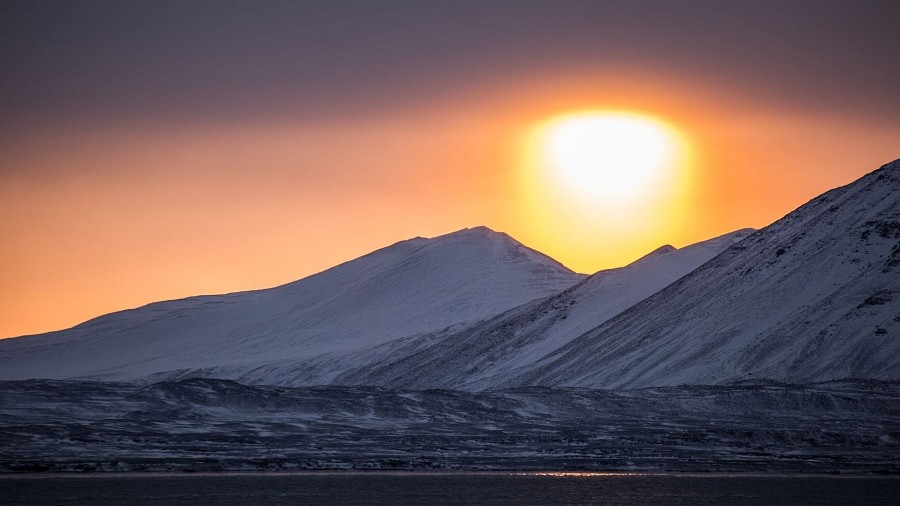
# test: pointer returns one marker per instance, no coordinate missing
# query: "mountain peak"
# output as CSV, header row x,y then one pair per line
x,y
480,229
411,288
483,242
472,233
716,244
662,250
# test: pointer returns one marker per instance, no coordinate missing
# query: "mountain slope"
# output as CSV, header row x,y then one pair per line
x,y
476,357
412,287
813,297
479,355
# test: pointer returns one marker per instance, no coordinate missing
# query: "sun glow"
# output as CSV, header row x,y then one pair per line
x,y
604,186
609,155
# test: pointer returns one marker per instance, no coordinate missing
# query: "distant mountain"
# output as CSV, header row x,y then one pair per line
x,y
410,288
813,297
476,356
481,355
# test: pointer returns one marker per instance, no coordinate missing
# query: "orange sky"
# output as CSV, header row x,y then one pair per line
x,y
108,217
107,211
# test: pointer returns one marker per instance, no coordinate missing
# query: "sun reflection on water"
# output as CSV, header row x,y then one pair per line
x,y
579,474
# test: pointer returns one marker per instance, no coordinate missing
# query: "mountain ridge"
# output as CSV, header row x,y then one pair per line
x,y
526,333
812,297
813,269
444,359
407,288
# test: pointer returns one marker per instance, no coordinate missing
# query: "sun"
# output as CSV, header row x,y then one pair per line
x,y
606,184
608,155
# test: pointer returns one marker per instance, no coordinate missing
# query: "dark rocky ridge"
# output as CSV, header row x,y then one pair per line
x,y
213,425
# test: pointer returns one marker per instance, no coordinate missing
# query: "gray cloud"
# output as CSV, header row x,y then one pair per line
x,y
75,60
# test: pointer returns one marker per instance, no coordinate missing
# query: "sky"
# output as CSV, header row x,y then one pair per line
x,y
157,150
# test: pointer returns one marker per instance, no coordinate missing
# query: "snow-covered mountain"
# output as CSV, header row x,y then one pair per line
x,y
479,356
475,356
813,297
410,288
776,349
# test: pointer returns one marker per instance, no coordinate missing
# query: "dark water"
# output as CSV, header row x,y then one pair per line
x,y
446,488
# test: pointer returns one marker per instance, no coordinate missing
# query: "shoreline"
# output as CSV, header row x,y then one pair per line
x,y
550,473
